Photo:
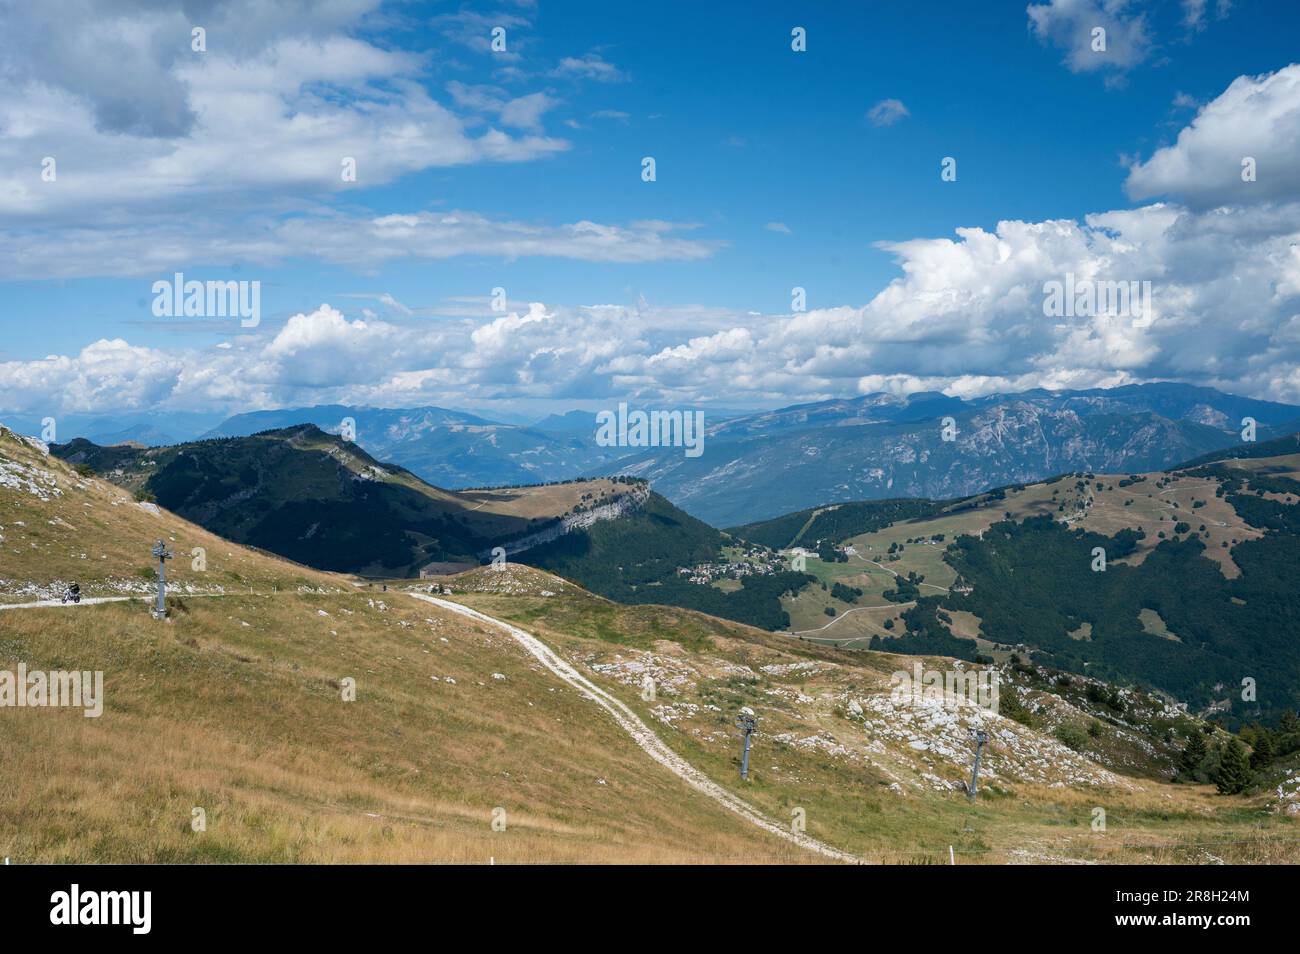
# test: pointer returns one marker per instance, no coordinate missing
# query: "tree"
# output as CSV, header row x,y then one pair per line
x,y
1189,763
1233,773
1290,721
1263,752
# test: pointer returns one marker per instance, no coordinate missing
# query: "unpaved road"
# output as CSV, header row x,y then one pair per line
x,y
85,601
642,734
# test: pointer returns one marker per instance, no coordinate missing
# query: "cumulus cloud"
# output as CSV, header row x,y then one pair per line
x,y
965,315
1070,25
1256,117
263,116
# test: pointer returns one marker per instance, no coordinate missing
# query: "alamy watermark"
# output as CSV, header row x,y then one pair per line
x,y
951,688
1085,298
36,688
651,429
179,298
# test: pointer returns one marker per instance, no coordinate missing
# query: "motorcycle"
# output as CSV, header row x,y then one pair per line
x,y
73,593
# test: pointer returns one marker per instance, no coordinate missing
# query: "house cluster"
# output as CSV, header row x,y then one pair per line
x,y
760,564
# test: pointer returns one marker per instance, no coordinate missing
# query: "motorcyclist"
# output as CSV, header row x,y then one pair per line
x,y
73,592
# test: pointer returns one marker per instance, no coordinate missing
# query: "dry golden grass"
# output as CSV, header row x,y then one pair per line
x,y
246,723
541,501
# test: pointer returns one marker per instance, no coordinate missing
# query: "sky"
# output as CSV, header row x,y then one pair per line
x,y
499,247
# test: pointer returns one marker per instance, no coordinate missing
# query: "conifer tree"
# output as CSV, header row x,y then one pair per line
x,y
1233,773
1193,755
1263,751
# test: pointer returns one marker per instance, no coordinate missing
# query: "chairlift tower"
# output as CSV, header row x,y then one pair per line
x,y
163,554
747,723
981,740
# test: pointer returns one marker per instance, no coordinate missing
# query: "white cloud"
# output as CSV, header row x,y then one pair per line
x,y
474,31
592,67
1194,12
1070,25
521,112
1257,117
358,242
778,227
964,315
525,112
887,112
267,122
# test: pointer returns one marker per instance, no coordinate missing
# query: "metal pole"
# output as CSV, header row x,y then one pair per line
x,y
981,737
162,587
747,723
161,552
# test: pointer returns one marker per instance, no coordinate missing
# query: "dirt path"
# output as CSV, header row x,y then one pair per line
x,y
881,566
856,609
85,601
642,734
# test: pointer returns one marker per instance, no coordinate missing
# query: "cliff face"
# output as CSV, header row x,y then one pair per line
x,y
625,504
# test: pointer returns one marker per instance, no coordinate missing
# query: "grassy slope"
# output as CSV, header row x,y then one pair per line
x,y
248,723
812,754
88,530
234,705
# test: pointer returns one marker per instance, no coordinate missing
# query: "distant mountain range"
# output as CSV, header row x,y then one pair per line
x,y
880,446
759,465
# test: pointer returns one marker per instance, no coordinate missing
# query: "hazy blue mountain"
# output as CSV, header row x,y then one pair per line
x,y
880,446
151,428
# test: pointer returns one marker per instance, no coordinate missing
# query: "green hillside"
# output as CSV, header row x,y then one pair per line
x,y
636,559
323,501
1198,597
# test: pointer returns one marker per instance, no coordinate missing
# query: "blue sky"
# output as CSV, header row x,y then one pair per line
x,y
770,174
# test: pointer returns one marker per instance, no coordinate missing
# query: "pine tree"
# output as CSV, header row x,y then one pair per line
x,y
1193,755
1290,722
1234,769
1263,752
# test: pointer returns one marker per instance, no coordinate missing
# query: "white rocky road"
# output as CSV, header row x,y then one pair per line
x,y
85,601
642,734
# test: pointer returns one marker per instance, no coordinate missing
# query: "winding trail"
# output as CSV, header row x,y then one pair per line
x,y
856,609
642,734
